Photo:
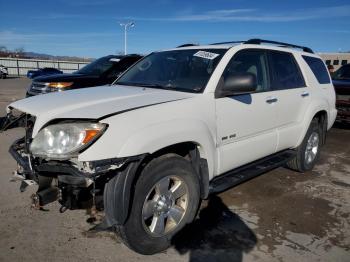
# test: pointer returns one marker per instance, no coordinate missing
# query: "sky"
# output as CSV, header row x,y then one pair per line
x,y
91,28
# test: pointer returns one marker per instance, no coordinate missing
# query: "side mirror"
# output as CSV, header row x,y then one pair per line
x,y
238,84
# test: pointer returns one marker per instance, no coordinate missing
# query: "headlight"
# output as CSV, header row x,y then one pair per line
x,y
60,84
63,141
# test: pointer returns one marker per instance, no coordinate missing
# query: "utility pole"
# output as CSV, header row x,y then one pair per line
x,y
126,26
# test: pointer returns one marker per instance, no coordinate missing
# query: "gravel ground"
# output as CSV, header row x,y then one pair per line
x,y
280,216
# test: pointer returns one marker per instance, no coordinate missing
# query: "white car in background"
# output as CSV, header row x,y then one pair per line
x,y
177,126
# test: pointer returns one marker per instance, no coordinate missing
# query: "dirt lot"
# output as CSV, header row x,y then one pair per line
x,y
280,216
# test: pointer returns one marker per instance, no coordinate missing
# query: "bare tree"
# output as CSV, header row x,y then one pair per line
x,y
19,51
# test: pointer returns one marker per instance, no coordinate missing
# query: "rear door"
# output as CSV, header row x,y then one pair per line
x,y
246,124
292,96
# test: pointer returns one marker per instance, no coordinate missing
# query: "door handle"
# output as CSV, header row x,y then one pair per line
x,y
271,100
305,94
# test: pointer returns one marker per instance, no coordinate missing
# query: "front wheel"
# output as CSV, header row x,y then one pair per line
x,y
166,198
309,150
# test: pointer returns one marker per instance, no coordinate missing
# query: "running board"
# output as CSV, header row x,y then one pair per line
x,y
249,171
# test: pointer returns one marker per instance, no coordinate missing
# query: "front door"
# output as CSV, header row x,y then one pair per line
x,y
246,124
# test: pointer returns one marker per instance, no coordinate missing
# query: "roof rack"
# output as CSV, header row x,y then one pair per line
x,y
260,41
185,45
229,42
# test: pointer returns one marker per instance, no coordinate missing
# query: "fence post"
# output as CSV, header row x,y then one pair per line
x,y
17,67
37,64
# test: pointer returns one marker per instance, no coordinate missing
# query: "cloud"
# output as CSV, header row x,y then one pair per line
x,y
255,15
220,15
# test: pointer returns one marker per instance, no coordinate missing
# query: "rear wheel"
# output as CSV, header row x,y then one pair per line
x,y
166,198
309,150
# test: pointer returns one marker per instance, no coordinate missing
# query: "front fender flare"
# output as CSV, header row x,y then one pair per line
x,y
150,139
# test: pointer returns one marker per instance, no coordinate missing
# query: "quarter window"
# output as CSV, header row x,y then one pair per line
x,y
318,68
251,61
286,72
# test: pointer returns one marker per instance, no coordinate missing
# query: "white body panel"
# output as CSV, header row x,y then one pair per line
x,y
144,120
92,103
246,129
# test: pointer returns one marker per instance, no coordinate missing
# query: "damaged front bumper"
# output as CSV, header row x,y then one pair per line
x,y
74,185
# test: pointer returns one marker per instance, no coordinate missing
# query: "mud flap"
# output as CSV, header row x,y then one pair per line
x,y
118,195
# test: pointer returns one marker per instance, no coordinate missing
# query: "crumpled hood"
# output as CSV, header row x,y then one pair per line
x,y
92,103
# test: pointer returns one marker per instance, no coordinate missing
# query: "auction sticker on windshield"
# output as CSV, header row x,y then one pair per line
x,y
207,55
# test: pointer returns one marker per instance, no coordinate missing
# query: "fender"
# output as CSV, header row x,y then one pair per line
x,y
191,130
313,109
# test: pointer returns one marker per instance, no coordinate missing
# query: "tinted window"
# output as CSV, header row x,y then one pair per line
x,y
336,62
328,62
344,62
98,67
120,67
49,69
342,73
318,68
286,72
249,61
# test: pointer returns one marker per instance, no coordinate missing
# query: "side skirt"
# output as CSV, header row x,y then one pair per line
x,y
249,171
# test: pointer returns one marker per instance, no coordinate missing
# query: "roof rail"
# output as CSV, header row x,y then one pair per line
x,y
185,45
229,42
256,41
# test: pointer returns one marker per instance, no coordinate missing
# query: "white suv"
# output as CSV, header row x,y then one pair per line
x,y
177,126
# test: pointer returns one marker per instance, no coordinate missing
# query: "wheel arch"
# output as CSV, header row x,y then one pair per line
x,y
322,115
195,154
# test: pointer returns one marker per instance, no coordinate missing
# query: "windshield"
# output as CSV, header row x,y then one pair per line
x,y
98,67
342,73
182,70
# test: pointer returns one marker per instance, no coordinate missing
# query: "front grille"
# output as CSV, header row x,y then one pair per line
x,y
38,87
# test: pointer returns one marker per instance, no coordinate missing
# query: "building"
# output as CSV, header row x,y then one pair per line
x,y
335,59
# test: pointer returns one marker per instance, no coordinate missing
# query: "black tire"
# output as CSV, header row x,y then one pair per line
x,y
134,232
299,163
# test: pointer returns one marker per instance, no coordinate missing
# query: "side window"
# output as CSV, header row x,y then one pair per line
x,y
251,61
318,68
336,62
286,72
328,62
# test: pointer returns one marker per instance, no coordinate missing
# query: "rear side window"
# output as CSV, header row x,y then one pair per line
x,y
286,72
318,68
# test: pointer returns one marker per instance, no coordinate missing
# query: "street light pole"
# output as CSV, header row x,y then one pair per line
x,y
126,26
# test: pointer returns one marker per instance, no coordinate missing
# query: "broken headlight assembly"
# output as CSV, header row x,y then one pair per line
x,y
66,140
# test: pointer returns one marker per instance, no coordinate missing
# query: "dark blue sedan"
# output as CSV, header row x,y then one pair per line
x,y
43,72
